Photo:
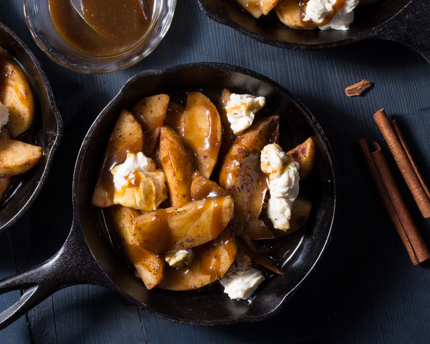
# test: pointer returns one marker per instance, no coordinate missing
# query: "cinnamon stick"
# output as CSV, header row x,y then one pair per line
x,y
400,156
393,203
409,155
358,88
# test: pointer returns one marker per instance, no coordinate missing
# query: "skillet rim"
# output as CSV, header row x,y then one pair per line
x,y
220,67
52,142
295,46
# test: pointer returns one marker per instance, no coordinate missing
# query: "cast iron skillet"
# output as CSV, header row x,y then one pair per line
x,y
47,127
87,256
404,21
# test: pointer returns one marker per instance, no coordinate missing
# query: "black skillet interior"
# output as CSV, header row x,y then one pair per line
x,y
47,128
209,305
271,31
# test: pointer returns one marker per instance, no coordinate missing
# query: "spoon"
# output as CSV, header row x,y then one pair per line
x,y
79,8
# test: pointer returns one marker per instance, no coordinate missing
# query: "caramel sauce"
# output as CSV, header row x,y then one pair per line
x,y
135,180
312,25
155,235
212,259
118,24
204,139
253,5
205,189
158,236
184,178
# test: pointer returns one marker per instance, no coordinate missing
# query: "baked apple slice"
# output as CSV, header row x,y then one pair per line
x,y
174,116
243,223
202,131
305,155
211,261
127,136
289,13
257,8
149,266
183,227
240,174
16,95
151,112
17,157
178,164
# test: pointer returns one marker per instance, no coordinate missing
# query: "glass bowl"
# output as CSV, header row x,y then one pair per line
x,y
37,16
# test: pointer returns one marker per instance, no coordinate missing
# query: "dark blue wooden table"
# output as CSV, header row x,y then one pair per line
x,y
365,290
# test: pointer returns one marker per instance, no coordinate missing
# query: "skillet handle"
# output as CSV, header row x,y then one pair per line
x,y
410,27
73,264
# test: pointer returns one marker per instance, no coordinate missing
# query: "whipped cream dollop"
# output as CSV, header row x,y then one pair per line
x,y
138,183
179,259
240,285
241,110
4,115
318,10
283,174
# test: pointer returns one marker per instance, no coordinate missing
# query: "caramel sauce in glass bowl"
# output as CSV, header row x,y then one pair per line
x,y
122,38
116,25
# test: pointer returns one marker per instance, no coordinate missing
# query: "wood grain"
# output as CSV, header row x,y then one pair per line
x,y
363,291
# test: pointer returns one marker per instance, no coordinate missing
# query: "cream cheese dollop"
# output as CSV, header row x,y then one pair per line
x,y
138,184
241,110
240,285
179,259
318,10
283,174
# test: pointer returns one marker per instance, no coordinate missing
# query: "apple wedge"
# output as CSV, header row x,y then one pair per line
x,y
174,116
240,174
149,266
290,14
227,133
257,8
305,155
184,227
243,223
202,131
127,136
177,162
151,112
211,261
16,95
17,157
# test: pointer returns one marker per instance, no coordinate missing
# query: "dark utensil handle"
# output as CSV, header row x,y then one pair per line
x,y
410,27
72,264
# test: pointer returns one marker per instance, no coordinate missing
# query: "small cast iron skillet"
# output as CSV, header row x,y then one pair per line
x,y
87,257
47,128
404,21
